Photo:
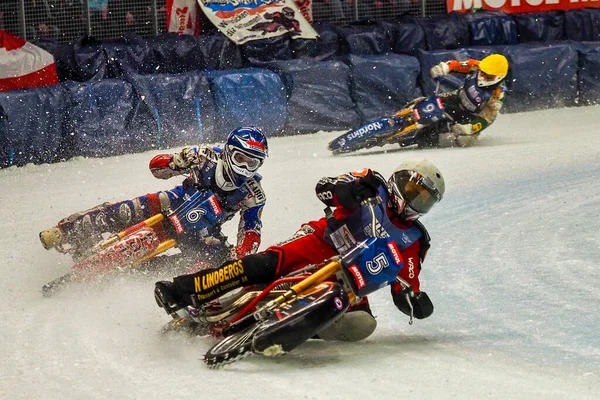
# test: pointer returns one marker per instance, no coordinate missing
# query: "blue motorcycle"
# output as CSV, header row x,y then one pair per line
x,y
419,121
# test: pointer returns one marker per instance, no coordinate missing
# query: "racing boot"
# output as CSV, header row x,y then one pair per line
x,y
51,238
78,232
167,297
356,324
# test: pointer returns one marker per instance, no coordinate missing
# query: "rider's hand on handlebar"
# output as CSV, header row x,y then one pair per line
x,y
442,69
186,158
365,187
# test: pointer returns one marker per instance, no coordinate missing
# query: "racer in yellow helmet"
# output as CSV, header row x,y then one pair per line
x,y
476,104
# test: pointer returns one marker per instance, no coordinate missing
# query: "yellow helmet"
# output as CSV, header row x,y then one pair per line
x,y
492,69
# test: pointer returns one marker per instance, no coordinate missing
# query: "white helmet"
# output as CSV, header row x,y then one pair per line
x,y
415,187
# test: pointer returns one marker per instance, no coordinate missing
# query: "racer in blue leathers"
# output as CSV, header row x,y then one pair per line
x,y
411,191
229,171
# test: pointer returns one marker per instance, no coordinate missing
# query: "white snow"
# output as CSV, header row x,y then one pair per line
x,y
513,273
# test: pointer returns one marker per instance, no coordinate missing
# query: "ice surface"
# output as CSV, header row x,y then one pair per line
x,y
513,272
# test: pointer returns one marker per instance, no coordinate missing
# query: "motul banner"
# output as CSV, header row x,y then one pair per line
x,y
519,6
24,65
245,20
183,17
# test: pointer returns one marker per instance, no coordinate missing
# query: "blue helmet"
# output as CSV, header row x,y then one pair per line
x,y
245,151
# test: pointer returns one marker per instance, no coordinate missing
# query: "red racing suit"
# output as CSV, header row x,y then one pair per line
x,y
313,243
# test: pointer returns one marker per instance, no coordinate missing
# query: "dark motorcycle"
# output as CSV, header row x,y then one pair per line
x,y
417,123
275,319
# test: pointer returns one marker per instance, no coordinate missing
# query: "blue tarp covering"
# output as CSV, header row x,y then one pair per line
x,y
446,31
381,85
365,39
406,35
32,125
583,25
132,55
589,73
318,96
219,52
541,76
181,107
249,97
325,47
257,53
491,28
540,26
102,119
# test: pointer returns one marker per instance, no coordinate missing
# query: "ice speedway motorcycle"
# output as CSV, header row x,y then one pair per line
x,y
199,216
419,121
273,319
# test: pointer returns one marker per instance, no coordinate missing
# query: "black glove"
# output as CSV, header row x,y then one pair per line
x,y
421,303
351,194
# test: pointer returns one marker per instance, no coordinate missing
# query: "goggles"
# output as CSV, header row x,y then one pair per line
x,y
419,193
484,79
240,159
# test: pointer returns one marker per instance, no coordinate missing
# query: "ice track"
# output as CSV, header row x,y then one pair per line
x,y
513,272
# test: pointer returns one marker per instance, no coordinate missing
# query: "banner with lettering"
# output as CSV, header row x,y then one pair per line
x,y
519,6
305,7
245,20
183,17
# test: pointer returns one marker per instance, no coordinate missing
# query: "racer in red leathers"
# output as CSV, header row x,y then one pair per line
x,y
412,190
229,171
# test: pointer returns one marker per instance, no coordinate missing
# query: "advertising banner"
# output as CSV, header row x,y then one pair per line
x,y
245,20
519,6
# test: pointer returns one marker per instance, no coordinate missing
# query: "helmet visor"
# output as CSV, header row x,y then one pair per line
x,y
419,193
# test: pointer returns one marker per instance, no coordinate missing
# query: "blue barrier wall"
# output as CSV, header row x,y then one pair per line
x,y
136,94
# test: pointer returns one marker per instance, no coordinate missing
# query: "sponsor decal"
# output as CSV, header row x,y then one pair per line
x,y
373,126
130,248
256,191
416,114
395,252
342,239
222,275
325,195
358,278
411,268
214,204
518,6
176,223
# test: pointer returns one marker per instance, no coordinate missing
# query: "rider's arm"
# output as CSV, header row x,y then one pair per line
x,y
413,256
165,166
250,225
348,190
445,67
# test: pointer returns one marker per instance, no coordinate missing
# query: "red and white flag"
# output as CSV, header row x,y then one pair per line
x,y
183,17
24,65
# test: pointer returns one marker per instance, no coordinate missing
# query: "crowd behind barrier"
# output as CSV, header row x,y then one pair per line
x,y
138,94
68,20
